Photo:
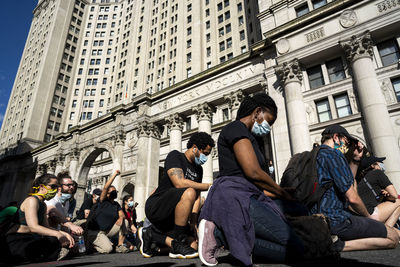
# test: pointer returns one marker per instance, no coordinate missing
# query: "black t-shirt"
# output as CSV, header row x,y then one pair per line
x,y
230,134
87,205
106,214
378,180
176,159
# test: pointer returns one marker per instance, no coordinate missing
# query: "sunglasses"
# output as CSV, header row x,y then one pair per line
x,y
52,186
69,185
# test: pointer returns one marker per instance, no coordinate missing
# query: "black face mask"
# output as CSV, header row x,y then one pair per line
x,y
113,194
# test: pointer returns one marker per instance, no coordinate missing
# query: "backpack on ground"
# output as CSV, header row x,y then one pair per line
x,y
300,177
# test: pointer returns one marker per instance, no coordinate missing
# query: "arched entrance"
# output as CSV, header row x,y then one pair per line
x,y
93,171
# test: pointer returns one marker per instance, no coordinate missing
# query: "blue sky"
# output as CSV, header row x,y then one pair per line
x,y
16,20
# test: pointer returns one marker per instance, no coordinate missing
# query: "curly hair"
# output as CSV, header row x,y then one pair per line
x,y
201,140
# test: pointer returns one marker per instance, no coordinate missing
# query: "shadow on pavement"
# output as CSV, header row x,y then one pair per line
x,y
159,264
60,263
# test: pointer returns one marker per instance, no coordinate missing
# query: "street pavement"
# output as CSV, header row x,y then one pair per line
x,y
378,258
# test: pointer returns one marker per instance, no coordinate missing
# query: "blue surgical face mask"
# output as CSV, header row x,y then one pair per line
x,y
201,159
130,204
382,166
261,129
64,197
271,169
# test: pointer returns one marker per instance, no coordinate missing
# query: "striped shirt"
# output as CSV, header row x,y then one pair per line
x,y
333,167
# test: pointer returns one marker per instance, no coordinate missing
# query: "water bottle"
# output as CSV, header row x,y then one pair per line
x,y
81,245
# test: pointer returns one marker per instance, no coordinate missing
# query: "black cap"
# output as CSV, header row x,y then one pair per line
x,y
366,162
97,191
337,129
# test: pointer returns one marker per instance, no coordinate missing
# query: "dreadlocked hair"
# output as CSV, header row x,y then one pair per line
x,y
249,104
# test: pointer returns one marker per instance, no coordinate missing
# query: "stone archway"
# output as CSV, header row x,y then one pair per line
x,y
88,158
129,189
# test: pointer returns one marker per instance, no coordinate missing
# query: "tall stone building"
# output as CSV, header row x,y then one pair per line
x,y
119,84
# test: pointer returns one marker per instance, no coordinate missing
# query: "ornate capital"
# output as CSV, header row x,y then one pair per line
x,y
358,47
41,169
289,72
203,112
175,122
51,166
148,129
234,99
60,158
119,137
75,153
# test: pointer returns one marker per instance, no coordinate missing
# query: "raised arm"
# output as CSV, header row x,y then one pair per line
x,y
179,181
108,184
247,159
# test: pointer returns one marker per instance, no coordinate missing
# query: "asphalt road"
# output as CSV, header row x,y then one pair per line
x,y
360,258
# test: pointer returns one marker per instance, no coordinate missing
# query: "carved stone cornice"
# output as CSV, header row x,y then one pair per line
x,y
289,72
175,122
203,112
60,158
358,47
148,129
234,99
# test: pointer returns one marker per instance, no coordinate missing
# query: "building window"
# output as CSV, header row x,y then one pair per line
x,y
220,18
396,87
189,57
221,31
72,115
389,52
189,72
208,51
242,36
225,114
221,46
240,7
335,70
302,10
229,42
208,24
324,112
189,31
189,43
241,20
219,6
228,28
315,77
342,105
318,3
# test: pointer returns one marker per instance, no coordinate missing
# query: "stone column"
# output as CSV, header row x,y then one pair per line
x,y
73,166
234,99
175,125
204,114
119,142
148,158
359,53
60,158
291,77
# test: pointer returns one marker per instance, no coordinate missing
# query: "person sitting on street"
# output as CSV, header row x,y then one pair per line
x,y
377,191
57,207
72,202
360,232
173,208
31,238
88,203
106,220
129,209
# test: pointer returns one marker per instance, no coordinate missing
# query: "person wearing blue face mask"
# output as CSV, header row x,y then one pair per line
x,y
173,207
57,208
239,203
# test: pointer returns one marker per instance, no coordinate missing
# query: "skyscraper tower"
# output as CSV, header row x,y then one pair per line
x,y
82,58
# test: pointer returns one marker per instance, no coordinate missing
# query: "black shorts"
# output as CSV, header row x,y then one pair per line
x,y
160,208
357,227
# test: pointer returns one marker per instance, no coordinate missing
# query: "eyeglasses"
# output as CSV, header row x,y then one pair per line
x,y
69,185
52,186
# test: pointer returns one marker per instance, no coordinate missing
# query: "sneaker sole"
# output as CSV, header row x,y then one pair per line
x,y
180,256
140,235
202,225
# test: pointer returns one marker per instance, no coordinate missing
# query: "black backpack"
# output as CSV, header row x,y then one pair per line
x,y
300,177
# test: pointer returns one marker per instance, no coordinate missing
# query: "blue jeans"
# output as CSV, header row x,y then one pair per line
x,y
275,240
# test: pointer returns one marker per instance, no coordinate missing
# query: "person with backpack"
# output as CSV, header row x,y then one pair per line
x,y
29,237
83,212
106,220
239,202
359,232
377,191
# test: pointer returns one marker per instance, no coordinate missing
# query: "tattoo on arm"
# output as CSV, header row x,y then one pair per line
x,y
177,172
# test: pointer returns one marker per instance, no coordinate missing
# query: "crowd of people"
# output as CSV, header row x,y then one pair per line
x,y
245,211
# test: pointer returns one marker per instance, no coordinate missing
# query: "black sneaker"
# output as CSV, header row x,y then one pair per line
x,y
181,250
145,241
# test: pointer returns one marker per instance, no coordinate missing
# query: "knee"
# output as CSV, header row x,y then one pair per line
x,y
104,248
393,237
189,194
